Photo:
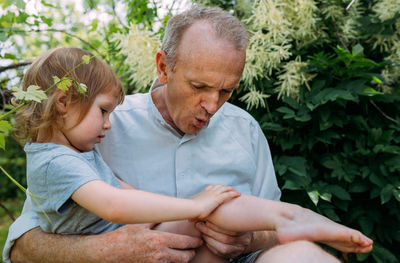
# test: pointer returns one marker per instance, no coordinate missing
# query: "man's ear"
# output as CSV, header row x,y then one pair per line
x,y
161,59
61,100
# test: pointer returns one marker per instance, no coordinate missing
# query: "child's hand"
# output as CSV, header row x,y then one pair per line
x,y
212,197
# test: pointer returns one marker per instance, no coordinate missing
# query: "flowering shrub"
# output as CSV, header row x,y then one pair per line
x,y
322,78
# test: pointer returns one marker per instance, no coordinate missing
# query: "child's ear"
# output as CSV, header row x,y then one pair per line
x,y
61,100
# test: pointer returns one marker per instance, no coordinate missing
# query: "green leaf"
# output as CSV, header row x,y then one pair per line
x,y
5,127
62,84
314,197
371,92
358,187
386,193
3,4
9,56
21,18
367,225
357,50
2,142
47,21
18,93
20,4
271,126
381,254
339,192
47,4
396,194
35,93
81,88
326,196
296,165
290,185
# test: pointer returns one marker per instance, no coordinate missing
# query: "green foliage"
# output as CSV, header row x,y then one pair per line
x,y
13,161
333,130
336,149
336,141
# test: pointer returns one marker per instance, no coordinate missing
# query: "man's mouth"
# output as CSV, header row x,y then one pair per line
x,y
199,123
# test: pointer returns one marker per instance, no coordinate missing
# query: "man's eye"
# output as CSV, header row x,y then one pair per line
x,y
197,87
103,110
226,91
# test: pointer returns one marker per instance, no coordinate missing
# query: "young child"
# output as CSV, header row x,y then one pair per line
x,y
82,196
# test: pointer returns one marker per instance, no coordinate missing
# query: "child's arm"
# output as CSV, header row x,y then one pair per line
x,y
128,206
124,185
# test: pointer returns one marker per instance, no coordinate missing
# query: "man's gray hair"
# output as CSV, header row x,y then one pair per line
x,y
225,25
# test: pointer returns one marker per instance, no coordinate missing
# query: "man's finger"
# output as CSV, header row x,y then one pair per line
x,y
175,241
180,256
221,249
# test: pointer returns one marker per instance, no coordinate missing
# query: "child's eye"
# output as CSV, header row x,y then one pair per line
x,y
103,111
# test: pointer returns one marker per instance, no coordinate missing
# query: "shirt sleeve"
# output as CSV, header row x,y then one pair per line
x,y
65,174
25,222
265,183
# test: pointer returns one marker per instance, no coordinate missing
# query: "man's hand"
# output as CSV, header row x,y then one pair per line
x,y
224,243
127,244
139,243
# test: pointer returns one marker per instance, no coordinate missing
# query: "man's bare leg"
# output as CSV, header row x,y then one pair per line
x,y
297,251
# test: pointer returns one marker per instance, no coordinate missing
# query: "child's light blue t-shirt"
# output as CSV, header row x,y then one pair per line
x,y
56,172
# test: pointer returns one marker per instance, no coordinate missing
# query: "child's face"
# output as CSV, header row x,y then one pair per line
x,y
91,129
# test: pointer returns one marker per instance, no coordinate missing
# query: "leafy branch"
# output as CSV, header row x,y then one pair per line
x,y
52,30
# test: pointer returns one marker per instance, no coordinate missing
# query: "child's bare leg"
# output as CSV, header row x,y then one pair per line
x,y
292,222
308,225
185,227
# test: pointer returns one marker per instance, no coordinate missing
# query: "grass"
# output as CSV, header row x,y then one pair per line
x,y
15,207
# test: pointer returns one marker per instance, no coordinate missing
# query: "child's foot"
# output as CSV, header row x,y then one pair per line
x,y
305,224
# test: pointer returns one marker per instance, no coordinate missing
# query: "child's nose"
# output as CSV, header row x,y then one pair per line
x,y
107,124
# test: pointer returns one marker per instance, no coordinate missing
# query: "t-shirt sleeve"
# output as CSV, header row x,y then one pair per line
x,y
65,174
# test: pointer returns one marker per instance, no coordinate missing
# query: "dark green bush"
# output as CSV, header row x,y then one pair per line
x,y
336,150
13,161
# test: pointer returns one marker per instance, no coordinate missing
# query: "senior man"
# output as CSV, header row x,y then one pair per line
x,y
175,140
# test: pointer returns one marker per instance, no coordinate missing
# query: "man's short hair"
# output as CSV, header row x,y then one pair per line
x,y
226,27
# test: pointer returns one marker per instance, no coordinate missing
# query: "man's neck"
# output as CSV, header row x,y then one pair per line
x,y
159,99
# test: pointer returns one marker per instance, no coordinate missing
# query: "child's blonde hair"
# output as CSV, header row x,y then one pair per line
x,y
97,76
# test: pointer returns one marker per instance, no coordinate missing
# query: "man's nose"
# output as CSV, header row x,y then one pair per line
x,y
210,102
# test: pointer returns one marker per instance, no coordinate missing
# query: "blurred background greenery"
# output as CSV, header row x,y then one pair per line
x,y
321,77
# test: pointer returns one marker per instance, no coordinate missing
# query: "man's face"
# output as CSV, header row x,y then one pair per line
x,y
206,73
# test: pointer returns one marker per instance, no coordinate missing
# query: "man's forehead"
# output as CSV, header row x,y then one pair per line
x,y
202,36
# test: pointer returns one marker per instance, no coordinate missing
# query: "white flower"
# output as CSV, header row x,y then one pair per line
x,y
292,78
140,48
386,9
254,98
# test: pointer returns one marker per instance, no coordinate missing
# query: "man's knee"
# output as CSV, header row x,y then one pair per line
x,y
298,251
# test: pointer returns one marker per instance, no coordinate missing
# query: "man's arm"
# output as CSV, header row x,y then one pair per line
x,y
130,243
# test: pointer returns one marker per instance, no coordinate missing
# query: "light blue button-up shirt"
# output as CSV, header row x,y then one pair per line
x,y
147,153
